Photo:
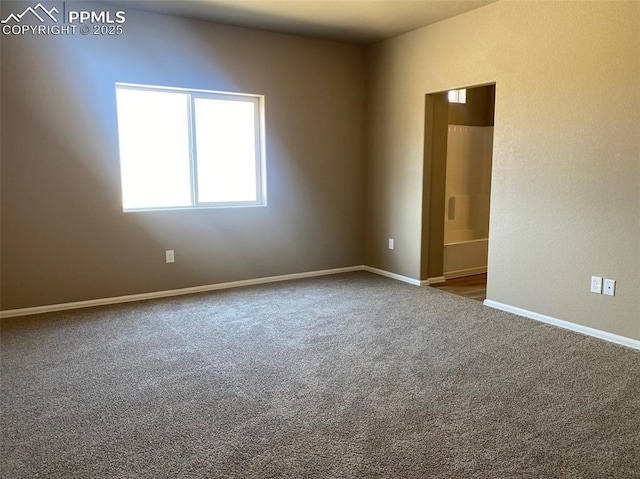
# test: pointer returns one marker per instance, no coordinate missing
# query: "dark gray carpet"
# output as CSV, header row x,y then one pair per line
x,y
345,376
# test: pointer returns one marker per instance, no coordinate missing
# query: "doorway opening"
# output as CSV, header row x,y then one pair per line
x,y
458,157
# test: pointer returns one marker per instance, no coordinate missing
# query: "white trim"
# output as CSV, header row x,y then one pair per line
x,y
596,333
191,129
388,274
435,280
465,272
172,292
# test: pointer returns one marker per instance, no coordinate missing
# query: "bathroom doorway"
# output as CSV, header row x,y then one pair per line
x,y
468,181
458,158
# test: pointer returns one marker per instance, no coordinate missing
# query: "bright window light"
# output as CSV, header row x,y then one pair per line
x,y
457,96
225,140
189,148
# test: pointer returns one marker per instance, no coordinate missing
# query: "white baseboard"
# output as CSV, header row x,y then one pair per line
x,y
614,338
596,333
10,313
172,292
465,272
435,280
388,274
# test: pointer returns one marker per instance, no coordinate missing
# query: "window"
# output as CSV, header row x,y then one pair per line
x,y
457,96
189,148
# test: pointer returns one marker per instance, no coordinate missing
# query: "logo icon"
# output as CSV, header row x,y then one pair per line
x,y
38,11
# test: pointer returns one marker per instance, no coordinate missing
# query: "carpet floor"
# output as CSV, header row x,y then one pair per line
x,y
345,376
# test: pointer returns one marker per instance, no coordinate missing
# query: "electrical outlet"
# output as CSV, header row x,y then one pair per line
x,y
596,284
610,287
170,256
390,243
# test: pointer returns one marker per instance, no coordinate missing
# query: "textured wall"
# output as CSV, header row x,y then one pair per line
x,y
565,199
64,235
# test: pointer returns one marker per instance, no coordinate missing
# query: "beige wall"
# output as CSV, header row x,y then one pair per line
x,y
565,199
64,235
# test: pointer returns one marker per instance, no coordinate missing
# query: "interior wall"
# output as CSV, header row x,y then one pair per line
x,y
565,201
433,187
64,235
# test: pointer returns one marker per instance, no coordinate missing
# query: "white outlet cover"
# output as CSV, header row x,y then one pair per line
x,y
610,287
390,243
170,256
596,284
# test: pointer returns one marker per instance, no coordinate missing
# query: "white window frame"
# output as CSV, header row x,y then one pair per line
x,y
259,129
457,96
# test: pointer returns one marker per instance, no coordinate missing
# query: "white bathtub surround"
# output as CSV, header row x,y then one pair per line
x,y
468,188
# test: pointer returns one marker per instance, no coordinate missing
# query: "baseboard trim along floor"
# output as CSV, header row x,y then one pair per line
x,y
399,277
172,292
596,333
10,313
465,272
614,338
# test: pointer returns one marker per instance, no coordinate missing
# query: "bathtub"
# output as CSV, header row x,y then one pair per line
x,y
465,253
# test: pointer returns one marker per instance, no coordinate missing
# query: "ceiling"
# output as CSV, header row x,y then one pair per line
x,y
355,21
